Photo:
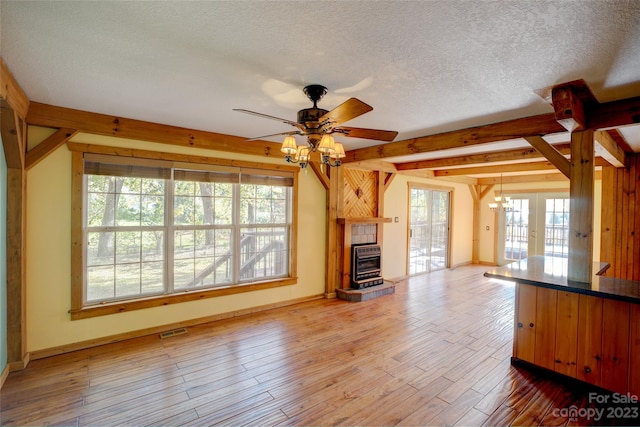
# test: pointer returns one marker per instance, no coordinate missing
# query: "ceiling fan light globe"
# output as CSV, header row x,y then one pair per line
x,y
338,151
302,154
327,144
289,145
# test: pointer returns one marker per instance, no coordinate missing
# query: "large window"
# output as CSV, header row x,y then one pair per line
x,y
153,229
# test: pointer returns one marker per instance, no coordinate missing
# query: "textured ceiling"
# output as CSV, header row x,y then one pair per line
x,y
425,66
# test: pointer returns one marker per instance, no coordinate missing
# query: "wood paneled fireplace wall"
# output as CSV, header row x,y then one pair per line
x,y
360,216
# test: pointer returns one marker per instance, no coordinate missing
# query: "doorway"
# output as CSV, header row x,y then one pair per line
x,y
429,216
536,224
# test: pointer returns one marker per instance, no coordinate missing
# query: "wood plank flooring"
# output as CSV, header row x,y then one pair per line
x,y
437,352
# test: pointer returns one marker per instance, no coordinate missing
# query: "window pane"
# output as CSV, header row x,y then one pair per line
x,y
128,212
100,248
132,263
556,234
183,210
127,280
223,210
202,258
128,247
263,252
152,245
152,277
206,204
152,210
263,204
517,230
100,283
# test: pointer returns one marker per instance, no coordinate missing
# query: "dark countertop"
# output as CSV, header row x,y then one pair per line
x,y
551,272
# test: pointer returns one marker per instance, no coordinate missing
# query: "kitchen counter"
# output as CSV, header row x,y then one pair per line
x,y
585,331
551,272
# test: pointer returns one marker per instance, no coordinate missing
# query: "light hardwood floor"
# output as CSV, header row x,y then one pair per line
x,y
437,352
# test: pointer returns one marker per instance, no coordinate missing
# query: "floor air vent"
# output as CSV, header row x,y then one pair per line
x,y
173,333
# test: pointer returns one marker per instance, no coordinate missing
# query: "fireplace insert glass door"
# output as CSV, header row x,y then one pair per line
x,y
428,230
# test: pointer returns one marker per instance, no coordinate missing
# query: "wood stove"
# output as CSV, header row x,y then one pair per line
x,y
365,266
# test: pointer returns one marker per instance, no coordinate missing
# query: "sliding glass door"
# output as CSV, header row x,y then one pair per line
x,y
428,230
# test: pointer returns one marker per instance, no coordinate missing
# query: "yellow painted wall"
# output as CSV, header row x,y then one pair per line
x,y
396,204
49,254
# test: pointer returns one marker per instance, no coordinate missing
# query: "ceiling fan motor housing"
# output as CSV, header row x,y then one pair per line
x,y
309,116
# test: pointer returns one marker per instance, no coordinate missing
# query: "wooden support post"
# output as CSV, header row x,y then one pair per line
x,y
16,283
475,191
333,246
580,261
14,105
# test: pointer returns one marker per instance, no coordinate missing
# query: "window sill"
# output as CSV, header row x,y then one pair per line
x,y
125,306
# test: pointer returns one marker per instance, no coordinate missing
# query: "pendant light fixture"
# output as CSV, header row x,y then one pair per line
x,y
500,201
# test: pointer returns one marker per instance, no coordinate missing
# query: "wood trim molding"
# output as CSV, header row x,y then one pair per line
x,y
175,157
11,91
3,375
48,146
13,145
102,124
125,306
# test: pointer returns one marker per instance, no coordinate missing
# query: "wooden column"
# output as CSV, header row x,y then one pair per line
x,y
581,206
14,105
333,240
475,243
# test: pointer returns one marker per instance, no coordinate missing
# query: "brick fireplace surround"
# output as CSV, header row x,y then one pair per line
x,y
356,231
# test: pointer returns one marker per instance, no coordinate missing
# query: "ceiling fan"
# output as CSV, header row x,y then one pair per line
x,y
318,125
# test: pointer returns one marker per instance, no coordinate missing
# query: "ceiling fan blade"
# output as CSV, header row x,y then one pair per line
x,y
266,116
377,134
350,109
293,132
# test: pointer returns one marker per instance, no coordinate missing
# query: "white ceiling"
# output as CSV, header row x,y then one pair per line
x,y
425,66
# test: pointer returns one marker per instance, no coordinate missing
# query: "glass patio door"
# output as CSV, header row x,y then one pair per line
x,y
428,230
536,224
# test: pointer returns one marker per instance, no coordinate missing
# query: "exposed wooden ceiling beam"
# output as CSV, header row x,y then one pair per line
x,y
607,148
513,167
102,124
481,158
614,114
373,165
551,154
11,91
516,179
598,116
535,125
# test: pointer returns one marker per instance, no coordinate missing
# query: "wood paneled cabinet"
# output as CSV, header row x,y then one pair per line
x,y
592,339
